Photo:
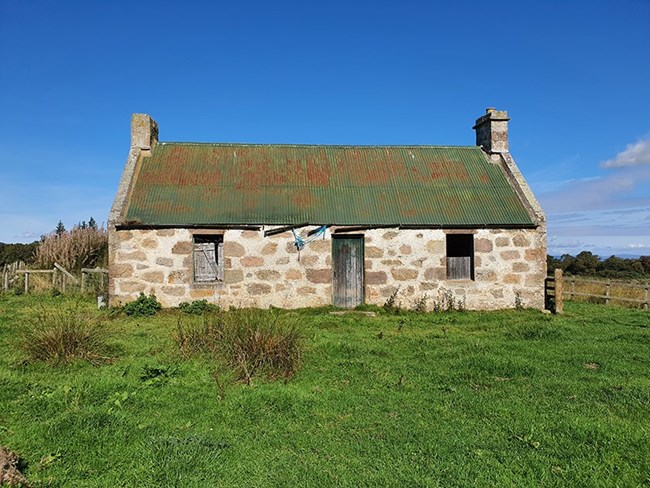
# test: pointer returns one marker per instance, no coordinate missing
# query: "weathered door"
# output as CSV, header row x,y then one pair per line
x,y
347,261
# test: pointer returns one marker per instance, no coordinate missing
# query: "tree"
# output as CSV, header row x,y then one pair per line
x,y
585,263
60,229
553,263
645,262
566,262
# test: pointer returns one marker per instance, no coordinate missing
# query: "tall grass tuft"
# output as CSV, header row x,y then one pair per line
x,y
251,342
65,334
74,249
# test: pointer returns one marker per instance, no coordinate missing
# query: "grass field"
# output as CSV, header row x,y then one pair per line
x,y
512,398
634,290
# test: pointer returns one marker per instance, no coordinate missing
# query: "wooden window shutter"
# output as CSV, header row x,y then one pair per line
x,y
460,256
459,268
208,259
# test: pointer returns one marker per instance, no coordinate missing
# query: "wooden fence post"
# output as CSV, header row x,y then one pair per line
x,y
573,287
559,301
645,299
607,289
26,283
83,281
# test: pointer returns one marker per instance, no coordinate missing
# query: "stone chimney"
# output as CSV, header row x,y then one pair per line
x,y
492,131
144,132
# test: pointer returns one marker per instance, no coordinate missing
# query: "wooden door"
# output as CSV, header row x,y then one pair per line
x,y
347,262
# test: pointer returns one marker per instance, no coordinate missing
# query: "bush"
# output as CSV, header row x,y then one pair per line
x,y
143,306
65,334
198,307
250,341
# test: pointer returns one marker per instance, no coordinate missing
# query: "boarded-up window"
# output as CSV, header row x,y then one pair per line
x,y
460,256
208,258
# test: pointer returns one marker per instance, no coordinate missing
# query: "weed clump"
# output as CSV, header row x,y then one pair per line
x,y
198,307
446,302
143,306
251,342
421,304
65,334
392,303
519,304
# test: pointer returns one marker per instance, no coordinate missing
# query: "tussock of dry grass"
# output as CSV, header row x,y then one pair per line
x,y
250,341
64,334
618,289
73,249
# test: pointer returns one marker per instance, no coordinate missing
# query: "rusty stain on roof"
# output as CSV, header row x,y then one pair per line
x,y
208,184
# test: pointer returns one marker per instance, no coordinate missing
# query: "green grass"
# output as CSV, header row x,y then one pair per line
x,y
451,399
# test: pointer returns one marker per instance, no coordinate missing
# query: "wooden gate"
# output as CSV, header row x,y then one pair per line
x,y
347,262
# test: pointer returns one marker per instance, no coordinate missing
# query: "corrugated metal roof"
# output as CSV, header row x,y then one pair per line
x,y
203,184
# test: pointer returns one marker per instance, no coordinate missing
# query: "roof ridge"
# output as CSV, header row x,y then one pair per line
x,y
258,144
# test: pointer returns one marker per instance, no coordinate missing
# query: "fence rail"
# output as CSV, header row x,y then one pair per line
x,y
9,273
61,277
556,291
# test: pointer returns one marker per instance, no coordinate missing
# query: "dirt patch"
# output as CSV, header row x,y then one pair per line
x,y
591,365
9,473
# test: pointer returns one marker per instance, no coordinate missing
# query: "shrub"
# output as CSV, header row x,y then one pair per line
x,y
198,307
251,342
65,334
143,306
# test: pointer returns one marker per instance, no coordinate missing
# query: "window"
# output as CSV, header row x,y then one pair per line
x,y
208,258
460,256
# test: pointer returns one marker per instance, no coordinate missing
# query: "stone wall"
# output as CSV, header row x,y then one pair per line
x,y
263,271
508,263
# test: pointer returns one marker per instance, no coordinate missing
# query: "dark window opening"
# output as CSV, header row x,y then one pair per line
x,y
208,258
460,256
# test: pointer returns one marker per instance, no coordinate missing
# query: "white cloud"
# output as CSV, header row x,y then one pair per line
x,y
625,188
633,155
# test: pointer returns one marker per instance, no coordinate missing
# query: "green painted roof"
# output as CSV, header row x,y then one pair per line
x,y
203,184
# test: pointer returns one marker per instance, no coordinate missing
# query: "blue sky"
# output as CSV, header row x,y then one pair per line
x,y
574,77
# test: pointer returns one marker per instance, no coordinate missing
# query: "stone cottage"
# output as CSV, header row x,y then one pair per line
x,y
309,225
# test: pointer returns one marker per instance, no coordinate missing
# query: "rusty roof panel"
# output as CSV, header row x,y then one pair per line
x,y
204,184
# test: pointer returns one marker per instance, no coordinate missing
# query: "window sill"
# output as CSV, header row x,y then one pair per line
x,y
207,285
